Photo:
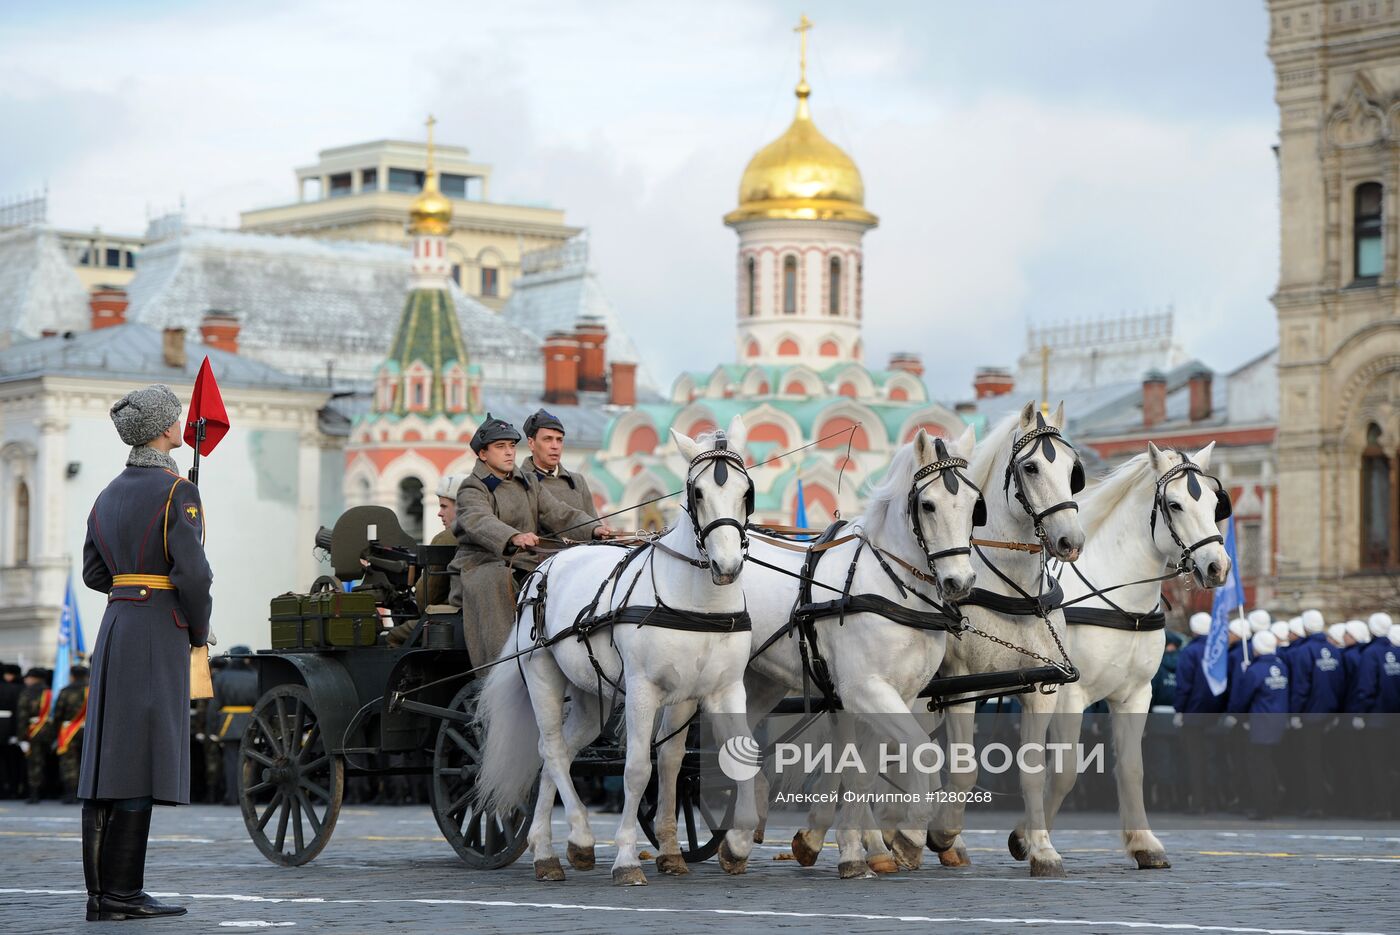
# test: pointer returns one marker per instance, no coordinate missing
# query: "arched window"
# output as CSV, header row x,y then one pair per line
x,y
1377,511
1368,252
751,286
411,506
790,285
22,524
833,303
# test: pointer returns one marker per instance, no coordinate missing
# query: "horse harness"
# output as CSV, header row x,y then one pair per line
x,y
1041,438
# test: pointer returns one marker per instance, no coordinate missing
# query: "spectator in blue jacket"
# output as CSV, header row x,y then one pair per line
x,y
1262,693
1388,693
1193,695
1357,638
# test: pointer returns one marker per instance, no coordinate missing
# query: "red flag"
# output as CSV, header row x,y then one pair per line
x,y
207,404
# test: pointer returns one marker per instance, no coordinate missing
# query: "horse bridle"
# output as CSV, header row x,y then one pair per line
x,y
1223,507
949,468
722,457
1042,437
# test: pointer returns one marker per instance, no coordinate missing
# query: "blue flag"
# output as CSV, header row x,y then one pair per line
x,y
801,518
71,647
1227,598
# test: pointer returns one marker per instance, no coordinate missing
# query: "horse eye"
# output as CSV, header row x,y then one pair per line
x,y
1175,506
699,494
928,507
1031,468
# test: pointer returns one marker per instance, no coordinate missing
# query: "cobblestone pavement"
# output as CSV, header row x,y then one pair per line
x,y
388,866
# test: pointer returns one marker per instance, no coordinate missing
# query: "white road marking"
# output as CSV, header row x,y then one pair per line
x,y
254,924
749,913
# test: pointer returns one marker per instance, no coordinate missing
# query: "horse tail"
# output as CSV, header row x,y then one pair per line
x,y
510,749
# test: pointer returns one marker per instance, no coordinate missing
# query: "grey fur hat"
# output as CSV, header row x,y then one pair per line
x,y
142,415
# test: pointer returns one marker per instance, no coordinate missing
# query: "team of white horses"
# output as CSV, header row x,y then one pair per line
x,y
911,547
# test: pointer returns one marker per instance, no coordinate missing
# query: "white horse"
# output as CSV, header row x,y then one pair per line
x,y
1150,514
877,666
1026,457
522,707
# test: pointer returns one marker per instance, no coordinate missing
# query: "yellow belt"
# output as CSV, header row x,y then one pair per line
x,y
154,582
229,711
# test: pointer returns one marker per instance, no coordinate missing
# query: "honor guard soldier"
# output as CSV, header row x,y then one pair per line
x,y
11,760
500,513
235,693
145,551
544,433
36,725
70,711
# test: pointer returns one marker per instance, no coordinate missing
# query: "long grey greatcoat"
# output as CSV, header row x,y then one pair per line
x,y
567,487
148,521
489,512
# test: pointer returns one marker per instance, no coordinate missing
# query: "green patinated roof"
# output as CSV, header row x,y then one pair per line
x,y
430,333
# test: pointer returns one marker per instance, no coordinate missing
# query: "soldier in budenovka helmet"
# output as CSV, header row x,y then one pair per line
x,y
145,551
434,586
70,713
500,514
544,433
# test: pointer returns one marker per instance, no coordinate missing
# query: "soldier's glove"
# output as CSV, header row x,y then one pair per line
x,y
1230,721
24,747
1178,720
1358,723
1295,722
212,640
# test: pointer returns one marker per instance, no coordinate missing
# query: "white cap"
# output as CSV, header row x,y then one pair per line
x,y
1358,631
450,484
1200,624
1380,624
1280,631
1313,622
1263,643
1259,620
1337,633
1240,628
1394,636
1295,627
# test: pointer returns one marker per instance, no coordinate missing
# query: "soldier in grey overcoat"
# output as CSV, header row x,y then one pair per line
x,y
145,551
544,433
500,514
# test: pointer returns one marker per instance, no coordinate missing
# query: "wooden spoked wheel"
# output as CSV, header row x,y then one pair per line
x,y
290,788
482,839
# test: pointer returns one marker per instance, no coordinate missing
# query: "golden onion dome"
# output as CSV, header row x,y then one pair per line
x,y
431,211
802,176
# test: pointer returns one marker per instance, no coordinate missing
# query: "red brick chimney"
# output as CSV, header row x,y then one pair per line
x,y
220,330
592,334
908,362
172,347
624,384
108,307
1199,384
561,368
992,381
1154,398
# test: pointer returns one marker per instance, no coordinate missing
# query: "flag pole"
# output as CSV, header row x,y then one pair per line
x,y
198,444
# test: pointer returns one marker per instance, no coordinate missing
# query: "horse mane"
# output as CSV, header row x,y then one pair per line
x,y
889,501
988,450
1101,498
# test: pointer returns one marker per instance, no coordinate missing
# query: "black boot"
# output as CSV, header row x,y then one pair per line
x,y
124,870
95,817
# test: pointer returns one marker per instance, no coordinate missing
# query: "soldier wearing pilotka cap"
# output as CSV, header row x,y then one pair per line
x,y
501,513
544,433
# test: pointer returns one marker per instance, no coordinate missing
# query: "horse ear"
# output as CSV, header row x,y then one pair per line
x,y
1157,459
1028,415
1058,419
686,444
738,434
923,448
1202,457
966,442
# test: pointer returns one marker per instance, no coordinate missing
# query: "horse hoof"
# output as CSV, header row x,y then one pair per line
x,y
629,876
729,863
883,863
909,854
674,864
1017,846
954,856
581,858
758,836
806,855
1148,860
1048,869
549,871
855,870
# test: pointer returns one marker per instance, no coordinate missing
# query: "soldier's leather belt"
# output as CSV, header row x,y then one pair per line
x,y
154,582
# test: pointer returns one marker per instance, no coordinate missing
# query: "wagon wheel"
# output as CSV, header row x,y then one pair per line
x,y
287,780
482,839
700,824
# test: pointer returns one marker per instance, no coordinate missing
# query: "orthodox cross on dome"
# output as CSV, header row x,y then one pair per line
x,y
430,123
804,26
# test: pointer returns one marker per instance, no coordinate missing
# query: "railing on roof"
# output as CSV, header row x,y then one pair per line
x,y
24,210
1127,329
570,255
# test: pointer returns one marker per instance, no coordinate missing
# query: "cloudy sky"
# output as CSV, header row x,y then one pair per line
x,y
1030,161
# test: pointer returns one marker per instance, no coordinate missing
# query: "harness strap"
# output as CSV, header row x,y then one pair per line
x,y
1154,619
880,606
672,619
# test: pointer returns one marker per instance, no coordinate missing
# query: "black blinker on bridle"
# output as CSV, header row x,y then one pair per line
x,y
1223,507
949,468
721,456
1041,438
